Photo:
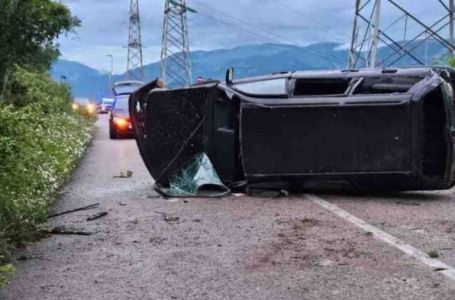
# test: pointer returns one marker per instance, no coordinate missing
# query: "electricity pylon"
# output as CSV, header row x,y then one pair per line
x,y
135,67
402,37
175,52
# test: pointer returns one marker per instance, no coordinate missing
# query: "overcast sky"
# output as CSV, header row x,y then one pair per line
x,y
222,24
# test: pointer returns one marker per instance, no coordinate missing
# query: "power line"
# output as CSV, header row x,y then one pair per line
x,y
299,12
264,37
236,19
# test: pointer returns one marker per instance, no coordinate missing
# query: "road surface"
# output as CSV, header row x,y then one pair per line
x,y
329,246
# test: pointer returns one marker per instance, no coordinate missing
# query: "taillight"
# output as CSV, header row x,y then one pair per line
x,y
121,122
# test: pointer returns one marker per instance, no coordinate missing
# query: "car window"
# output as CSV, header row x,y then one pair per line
x,y
121,102
272,87
321,86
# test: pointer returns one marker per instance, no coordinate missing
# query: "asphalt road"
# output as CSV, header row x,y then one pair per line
x,y
234,248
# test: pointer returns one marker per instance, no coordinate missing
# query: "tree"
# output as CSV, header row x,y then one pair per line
x,y
28,30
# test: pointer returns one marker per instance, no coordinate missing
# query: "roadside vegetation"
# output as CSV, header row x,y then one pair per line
x,y
41,138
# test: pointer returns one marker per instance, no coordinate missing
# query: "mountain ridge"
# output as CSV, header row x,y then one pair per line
x,y
247,60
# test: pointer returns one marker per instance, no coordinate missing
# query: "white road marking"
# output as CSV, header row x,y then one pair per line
x,y
379,234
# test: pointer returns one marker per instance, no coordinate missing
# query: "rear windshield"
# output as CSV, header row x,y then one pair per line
x,y
126,88
121,102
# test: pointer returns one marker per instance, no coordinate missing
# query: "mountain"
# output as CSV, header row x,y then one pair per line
x,y
85,81
250,60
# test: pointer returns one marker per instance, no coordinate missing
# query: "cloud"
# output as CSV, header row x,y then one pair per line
x,y
224,24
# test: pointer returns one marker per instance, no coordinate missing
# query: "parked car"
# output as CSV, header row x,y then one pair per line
x,y
84,104
119,118
386,129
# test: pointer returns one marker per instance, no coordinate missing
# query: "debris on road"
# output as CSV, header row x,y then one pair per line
x,y
157,240
151,196
440,269
63,192
97,216
127,174
433,254
170,218
66,230
91,206
265,192
410,203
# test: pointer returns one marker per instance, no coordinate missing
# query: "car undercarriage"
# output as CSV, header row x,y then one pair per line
x,y
390,129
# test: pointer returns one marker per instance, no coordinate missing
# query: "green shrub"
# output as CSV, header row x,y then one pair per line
x,y
6,272
41,141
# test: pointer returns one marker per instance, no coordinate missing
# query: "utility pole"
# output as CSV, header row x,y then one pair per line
x,y
355,31
375,42
368,32
111,72
135,67
175,52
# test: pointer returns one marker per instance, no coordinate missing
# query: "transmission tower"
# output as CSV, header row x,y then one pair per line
x,y
403,37
175,52
135,65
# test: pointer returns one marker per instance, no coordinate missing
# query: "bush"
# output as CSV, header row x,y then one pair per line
x,y
41,141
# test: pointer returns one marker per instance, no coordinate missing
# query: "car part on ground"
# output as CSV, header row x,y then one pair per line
x,y
391,129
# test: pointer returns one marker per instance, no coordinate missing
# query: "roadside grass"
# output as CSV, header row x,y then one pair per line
x,y
41,142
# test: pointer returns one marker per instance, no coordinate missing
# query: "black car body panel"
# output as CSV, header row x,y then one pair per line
x,y
378,129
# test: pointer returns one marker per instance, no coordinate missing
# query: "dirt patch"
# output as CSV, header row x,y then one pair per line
x,y
307,243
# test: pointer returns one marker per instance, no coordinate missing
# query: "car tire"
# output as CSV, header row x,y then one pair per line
x,y
112,134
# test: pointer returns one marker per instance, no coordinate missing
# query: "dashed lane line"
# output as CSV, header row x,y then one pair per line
x,y
434,264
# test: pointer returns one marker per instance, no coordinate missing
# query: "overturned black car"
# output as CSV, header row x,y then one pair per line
x,y
390,129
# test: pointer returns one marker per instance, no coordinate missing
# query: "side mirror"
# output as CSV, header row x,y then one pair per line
x,y
229,76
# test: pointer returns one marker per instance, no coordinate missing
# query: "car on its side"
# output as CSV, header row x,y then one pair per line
x,y
373,129
119,119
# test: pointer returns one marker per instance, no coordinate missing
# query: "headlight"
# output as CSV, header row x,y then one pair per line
x,y
91,108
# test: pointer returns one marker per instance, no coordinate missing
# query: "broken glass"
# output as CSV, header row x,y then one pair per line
x,y
197,178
